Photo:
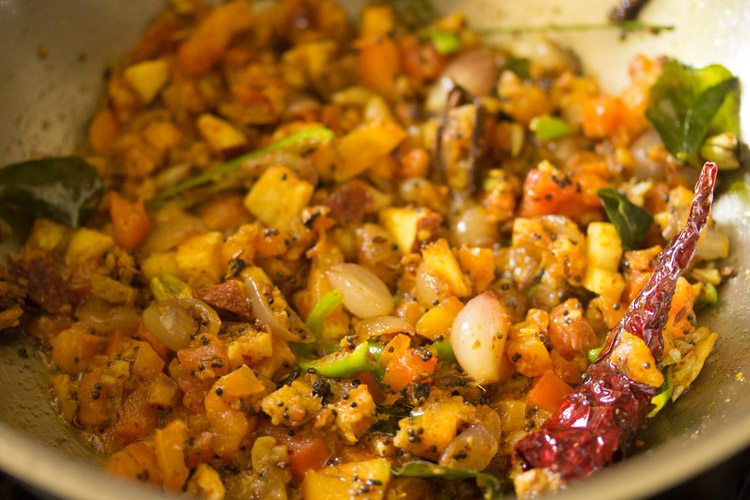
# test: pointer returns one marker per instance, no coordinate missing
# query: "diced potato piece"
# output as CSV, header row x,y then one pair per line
x,y
377,20
147,364
355,420
364,146
251,347
220,134
438,320
278,197
401,224
713,244
46,235
163,392
169,444
147,78
160,263
162,135
603,246
441,262
291,405
111,290
87,244
512,415
349,480
603,282
72,349
200,258
241,244
436,427
205,483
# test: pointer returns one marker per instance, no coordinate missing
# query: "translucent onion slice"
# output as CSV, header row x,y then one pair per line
x,y
383,325
175,322
365,295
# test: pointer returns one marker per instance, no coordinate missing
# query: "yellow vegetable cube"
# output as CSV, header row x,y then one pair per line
x,y
220,134
147,78
603,282
88,244
348,480
603,246
438,320
364,146
278,197
441,262
200,258
160,263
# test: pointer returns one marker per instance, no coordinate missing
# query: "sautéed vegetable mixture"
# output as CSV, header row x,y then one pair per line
x,y
311,258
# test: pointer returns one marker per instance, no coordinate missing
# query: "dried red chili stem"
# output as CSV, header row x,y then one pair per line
x,y
596,424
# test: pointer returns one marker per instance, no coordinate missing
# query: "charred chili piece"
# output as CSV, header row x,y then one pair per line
x,y
596,424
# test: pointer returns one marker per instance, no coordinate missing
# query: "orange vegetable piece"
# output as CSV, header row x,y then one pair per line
x,y
378,64
307,454
602,116
130,222
205,47
411,365
135,461
103,130
569,332
138,418
168,444
548,391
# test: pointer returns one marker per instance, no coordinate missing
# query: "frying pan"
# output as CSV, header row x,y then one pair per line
x,y
52,59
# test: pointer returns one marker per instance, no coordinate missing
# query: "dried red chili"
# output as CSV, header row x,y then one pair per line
x,y
596,424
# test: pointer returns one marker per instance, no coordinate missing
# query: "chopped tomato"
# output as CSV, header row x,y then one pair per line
x,y
130,222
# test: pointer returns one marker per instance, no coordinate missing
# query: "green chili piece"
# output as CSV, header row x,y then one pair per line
x,y
549,128
325,306
444,350
343,364
594,353
661,399
304,139
444,42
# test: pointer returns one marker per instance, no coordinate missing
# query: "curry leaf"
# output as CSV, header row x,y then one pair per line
x,y
493,486
414,13
631,221
686,104
63,190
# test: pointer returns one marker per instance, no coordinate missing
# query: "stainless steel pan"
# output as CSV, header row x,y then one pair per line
x,y
52,57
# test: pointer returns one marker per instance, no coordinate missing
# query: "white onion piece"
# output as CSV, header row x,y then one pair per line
x,y
475,71
174,322
285,324
478,337
429,288
473,228
173,226
365,295
383,325
170,324
645,167
473,449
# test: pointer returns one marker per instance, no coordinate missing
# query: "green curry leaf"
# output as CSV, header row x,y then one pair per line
x,y
686,104
64,189
631,221
493,486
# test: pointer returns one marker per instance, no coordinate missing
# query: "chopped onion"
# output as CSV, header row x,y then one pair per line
x,y
475,71
429,288
173,226
102,317
473,228
365,295
175,322
285,323
478,337
383,325
473,449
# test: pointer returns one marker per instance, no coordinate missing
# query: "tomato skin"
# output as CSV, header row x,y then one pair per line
x,y
548,191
